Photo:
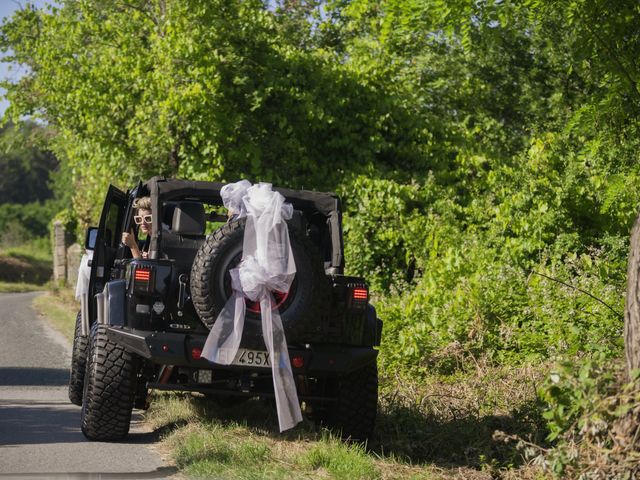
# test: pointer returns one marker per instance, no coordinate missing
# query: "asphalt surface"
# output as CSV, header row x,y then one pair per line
x,y
40,433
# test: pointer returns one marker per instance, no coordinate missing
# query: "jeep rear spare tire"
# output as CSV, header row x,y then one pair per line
x,y
300,309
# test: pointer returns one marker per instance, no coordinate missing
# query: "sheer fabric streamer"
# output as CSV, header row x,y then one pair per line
x,y
267,265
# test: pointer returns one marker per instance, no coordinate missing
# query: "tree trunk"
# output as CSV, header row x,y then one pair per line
x,y
632,304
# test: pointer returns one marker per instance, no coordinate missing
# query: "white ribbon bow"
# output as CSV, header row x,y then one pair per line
x,y
267,265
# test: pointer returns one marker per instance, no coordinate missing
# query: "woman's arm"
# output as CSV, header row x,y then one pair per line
x,y
129,239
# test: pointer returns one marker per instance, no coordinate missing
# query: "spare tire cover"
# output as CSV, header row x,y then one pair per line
x,y
300,309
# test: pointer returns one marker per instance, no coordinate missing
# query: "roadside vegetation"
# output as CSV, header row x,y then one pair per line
x,y
59,305
487,156
11,287
28,265
438,427
26,208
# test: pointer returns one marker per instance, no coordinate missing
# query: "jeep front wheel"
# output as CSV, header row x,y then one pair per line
x,y
109,388
78,363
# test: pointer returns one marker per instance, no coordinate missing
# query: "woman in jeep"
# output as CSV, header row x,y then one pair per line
x,y
144,218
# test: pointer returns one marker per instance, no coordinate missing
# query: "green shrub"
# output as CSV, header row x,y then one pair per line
x,y
592,416
19,222
455,281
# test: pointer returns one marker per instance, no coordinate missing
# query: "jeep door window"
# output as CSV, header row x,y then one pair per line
x,y
111,226
107,240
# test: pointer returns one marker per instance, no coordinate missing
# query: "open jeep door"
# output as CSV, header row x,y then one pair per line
x,y
107,241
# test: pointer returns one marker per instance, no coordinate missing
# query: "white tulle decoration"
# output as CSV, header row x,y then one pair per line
x,y
267,265
232,195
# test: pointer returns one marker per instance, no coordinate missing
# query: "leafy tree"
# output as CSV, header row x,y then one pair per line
x,y
478,145
24,165
201,89
534,171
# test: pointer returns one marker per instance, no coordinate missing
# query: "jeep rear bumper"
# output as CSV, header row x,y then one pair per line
x,y
163,348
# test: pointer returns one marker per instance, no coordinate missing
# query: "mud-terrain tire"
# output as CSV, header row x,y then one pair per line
x,y
301,311
109,388
354,414
78,363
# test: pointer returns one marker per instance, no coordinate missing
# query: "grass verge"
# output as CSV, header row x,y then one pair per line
x,y
11,287
435,427
242,443
30,263
61,308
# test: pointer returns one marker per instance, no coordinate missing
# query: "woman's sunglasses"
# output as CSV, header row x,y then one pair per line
x,y
142,218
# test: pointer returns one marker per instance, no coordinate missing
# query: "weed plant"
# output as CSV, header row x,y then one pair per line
x,y
593,415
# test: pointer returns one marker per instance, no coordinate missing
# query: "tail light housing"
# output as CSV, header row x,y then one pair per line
x,y
358,296
143,279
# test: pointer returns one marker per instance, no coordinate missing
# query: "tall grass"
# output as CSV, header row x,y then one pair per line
x,y
429,427
38,249
29,262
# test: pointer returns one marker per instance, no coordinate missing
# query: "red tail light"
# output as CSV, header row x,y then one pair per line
x,y
143,275
143,279
196,353
358,297
360,294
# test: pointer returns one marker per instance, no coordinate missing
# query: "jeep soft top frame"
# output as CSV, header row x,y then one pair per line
x,y
328,204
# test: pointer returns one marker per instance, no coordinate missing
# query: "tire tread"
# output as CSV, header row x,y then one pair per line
x,y
109,388
78,363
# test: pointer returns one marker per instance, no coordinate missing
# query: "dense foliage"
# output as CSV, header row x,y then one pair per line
x,y
200,89
536,179
27,173
484,151
24,164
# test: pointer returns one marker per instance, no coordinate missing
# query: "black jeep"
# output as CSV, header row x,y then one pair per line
x,y
144,321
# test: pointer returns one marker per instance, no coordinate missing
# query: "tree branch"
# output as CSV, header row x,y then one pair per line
x,y
613,55
580,290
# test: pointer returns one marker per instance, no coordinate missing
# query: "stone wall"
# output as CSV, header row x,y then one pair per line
x,y
59,253
66,258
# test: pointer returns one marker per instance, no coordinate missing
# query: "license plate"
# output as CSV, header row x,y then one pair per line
x,y
251,358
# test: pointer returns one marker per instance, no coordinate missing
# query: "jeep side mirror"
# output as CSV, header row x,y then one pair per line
x,y
90,239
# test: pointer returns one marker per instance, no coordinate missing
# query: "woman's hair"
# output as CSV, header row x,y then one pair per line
x,y
143,203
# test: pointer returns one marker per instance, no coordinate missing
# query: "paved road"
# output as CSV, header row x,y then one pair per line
x,y
40,433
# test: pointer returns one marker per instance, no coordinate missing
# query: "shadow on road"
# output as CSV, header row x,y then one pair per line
x,y
36,376
38,422
31,422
